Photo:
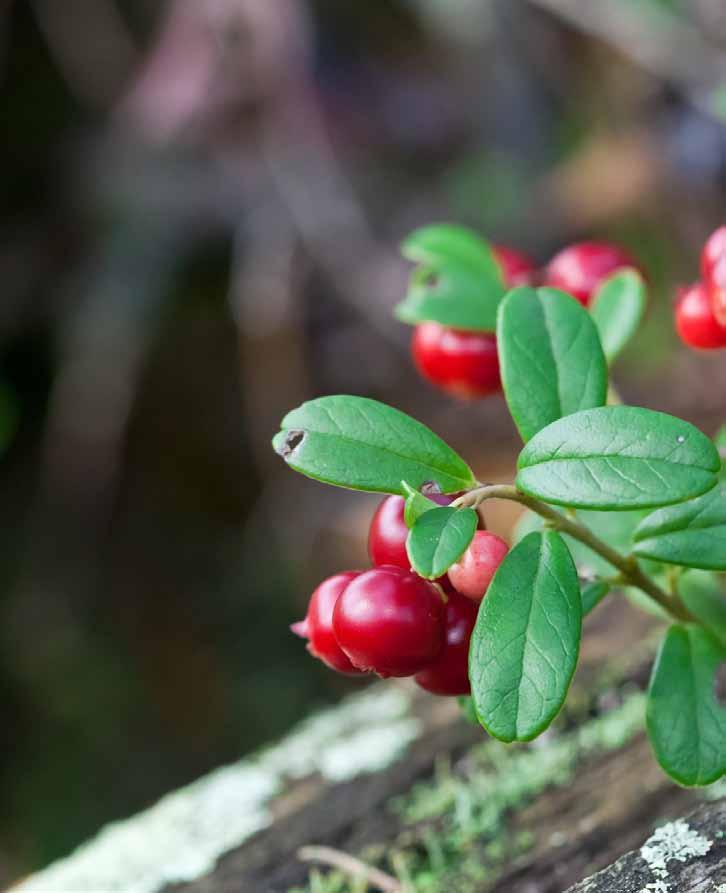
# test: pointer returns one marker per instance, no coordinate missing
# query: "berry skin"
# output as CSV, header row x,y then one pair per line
x,y
317,627
579,269
517,268
449,673
473,572
390,621
388,532
464,364
713,269
695,322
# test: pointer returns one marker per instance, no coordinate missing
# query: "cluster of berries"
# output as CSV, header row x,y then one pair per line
x,y
701,308
389,621
466,364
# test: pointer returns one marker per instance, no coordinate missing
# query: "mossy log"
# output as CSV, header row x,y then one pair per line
x,y
400,781
686,856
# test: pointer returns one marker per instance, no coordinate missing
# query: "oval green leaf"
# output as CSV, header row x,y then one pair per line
x,y
416,504
361,444
458,283
526,640
618,458
617,310
438,538
592,594
704,594
692,534
686,722
550,357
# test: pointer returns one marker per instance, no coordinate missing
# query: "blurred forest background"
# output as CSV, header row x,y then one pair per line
x,y
202,201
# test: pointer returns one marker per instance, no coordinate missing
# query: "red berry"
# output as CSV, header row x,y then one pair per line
x,y
713,268
464,364
695,322
449,673
388,532
579,269
473,572
517,268
317,626
390,621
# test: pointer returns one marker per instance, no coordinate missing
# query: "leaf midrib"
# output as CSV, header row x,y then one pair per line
x,y
604,456
371,446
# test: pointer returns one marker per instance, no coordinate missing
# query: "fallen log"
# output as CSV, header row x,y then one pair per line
x,y
396,780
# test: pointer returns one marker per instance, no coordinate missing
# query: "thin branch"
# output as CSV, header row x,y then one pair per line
x,y
351,866
627,565
656,41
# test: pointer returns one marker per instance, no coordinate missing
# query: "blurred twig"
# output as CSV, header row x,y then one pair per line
x,y
662,44
350,866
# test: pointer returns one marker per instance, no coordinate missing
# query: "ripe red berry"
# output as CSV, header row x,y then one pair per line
x,y
449,673
695,322
390,621
317,627
388,531
473,572
517,268
464,364
713,268
579,269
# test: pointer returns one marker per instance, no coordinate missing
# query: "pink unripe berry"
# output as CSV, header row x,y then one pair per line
x,y
473,572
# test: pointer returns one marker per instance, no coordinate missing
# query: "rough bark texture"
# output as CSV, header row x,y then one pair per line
x,y
610,805
429,799
703,874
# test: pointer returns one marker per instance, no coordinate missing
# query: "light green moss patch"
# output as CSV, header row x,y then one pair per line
x,y
458,838
672,842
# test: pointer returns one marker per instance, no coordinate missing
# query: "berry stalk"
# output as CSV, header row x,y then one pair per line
x,y
630,571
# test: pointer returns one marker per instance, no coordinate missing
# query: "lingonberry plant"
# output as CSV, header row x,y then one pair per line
x,y
701,308
615,498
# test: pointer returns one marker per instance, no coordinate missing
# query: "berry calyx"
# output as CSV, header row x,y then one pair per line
x,y
473,572
713,268
449,673
695,321
579,269
464,364
517,268
390,621
388,531
317,627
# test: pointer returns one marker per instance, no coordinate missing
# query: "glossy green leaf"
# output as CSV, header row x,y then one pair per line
x,y
550,358
416,504
361,444
618,458
592,594
686,722
526,640
720,442
439,538
692,534
617,310
458,282
704,594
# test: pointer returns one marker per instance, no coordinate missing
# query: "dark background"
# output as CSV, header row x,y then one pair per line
x,y
202,201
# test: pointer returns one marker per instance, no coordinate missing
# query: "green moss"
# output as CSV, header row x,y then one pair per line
x,y
455,835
